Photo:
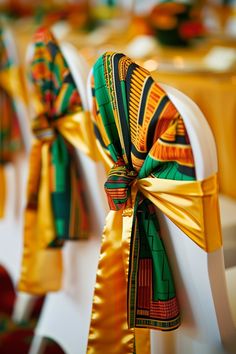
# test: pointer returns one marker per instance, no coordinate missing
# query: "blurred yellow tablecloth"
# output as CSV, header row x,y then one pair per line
x,y
216,96
214,93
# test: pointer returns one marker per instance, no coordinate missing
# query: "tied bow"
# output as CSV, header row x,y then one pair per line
x,y
139,129
56,207
43,130
185,203
118,185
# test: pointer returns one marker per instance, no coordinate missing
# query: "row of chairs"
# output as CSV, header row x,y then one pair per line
x,y
201,278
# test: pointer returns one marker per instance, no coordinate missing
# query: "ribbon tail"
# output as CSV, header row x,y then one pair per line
x,y
109,330
41,267
3,191
142,341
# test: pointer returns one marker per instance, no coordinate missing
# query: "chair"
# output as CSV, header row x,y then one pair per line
x,y
16,175
200,277
207,325
65,316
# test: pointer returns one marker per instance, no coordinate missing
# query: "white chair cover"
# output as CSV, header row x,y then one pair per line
x,y
199,276
65,316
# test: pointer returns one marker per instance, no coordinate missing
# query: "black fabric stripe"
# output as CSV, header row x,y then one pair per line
x,y
121,109
138,154
53,49
180,139
129,75
186,170
98,136
151,129
147,86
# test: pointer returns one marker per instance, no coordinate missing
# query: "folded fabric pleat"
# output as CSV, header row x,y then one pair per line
x,y
56,207
142,137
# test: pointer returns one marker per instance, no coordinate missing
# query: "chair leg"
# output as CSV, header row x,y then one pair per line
x,y
38,345
23,307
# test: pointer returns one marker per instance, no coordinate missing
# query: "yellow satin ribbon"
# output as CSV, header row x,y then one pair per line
x,y
193,207
42,267
77,128
109,332
11,80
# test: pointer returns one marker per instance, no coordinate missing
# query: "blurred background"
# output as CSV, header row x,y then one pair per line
x,y
188,44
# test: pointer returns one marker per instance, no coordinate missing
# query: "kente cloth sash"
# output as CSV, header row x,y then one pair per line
x,y
56,208
142,137
11,88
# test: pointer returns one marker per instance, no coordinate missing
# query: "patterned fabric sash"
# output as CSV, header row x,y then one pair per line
x,y
56,208
142,134
10,135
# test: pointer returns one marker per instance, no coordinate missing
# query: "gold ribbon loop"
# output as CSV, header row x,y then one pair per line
x,y
75,127
12,82
191,205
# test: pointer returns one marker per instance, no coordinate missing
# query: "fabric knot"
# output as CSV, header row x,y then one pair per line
x,y
118,185
42,129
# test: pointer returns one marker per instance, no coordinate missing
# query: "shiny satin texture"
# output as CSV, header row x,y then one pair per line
x,y
11,81
110,321
56,205
46,264
188,205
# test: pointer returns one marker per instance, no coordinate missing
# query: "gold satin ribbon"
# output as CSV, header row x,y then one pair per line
x,y
109,317
11,80
77,128
46,264
193,207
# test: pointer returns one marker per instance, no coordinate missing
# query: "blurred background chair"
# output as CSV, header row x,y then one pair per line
x,y
66,314
11,225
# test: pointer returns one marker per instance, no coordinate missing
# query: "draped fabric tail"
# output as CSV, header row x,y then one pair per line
x,y
2,191
56,209
142,133
109,313
41,266
109,327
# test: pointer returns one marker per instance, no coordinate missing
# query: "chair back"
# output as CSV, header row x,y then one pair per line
x,y
207,324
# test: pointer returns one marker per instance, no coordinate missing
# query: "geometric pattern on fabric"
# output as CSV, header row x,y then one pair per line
x,y
55,95
139,128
